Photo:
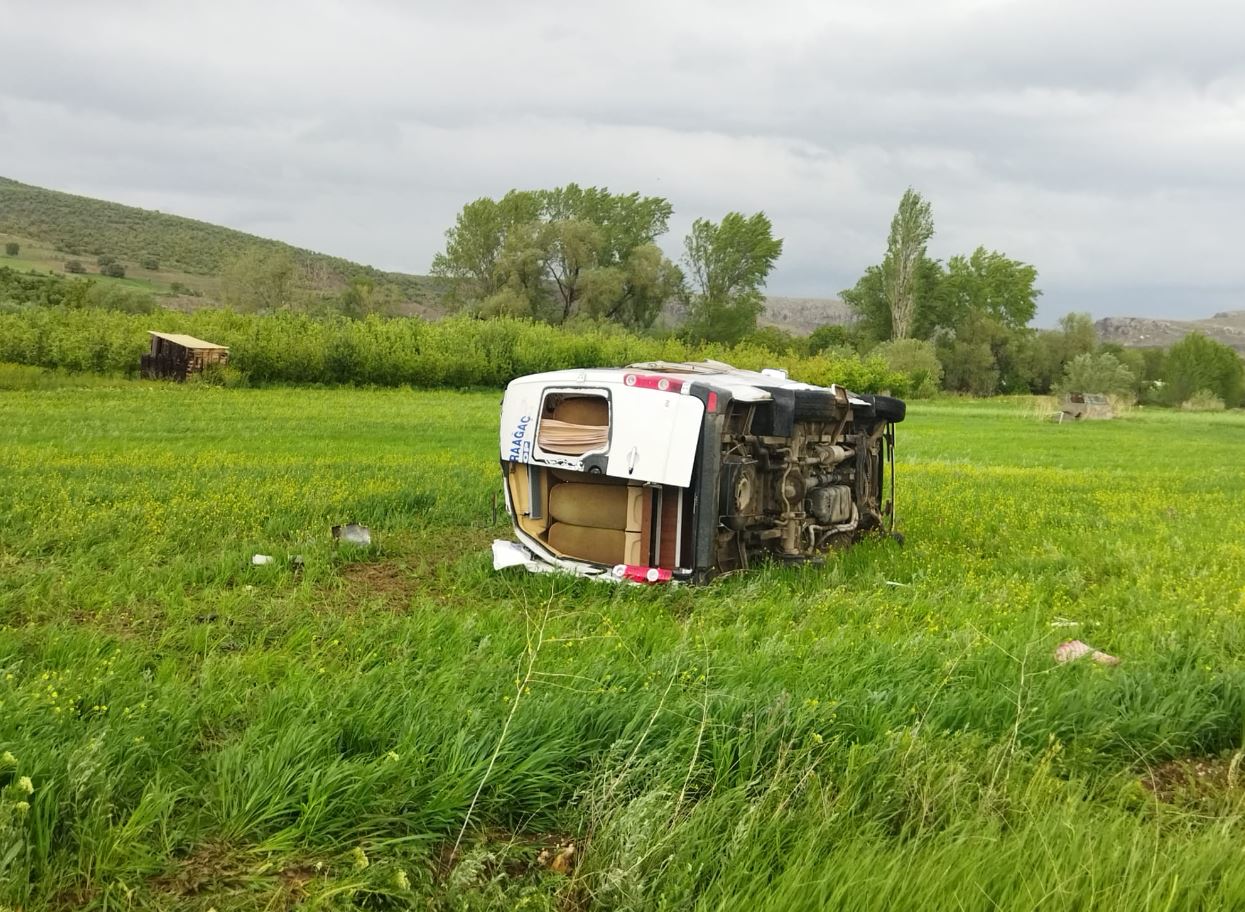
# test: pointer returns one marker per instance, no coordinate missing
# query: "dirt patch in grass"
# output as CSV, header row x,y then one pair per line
x,y
208,868
390,582
294,880
425,566
73,898
121,622
435,552
1194,778
219,871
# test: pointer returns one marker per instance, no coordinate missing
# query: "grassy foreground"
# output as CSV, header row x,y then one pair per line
x,y
404,728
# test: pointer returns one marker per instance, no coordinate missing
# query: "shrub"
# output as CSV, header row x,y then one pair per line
x,y
150,263
74,266
917,359
1197,363
222,375
107,296
12,248
828,336
1100,373
105,260
116,270
25,377
108,332
1203,401
774,339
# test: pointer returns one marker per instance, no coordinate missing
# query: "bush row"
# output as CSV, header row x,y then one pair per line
x,y
458,352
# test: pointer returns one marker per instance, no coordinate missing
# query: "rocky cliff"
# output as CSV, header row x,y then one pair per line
x,y
1137,332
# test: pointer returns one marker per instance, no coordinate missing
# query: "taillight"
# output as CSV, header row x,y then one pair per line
x,y
711,406
653,382
636,574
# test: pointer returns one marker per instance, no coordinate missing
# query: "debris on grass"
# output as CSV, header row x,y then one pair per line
x,y
262,560
559,858
1193,778
1071,650
353,534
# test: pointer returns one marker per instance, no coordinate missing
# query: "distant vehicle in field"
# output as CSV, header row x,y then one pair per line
x,y
664,470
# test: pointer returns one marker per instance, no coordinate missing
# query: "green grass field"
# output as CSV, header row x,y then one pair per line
x,y
404,728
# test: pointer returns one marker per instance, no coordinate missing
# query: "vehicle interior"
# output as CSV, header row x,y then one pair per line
x,y
600,519
573,424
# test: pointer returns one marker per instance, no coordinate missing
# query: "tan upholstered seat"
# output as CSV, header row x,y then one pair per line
x,y
601,546
613,506
597,522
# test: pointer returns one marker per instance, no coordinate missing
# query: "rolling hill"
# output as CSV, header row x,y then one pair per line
x,y
53,227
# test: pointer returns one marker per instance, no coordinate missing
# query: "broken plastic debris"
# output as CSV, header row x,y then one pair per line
x,y
262,560
1071,650
512,554
508,554
353,533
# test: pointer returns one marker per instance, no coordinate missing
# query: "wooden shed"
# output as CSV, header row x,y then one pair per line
x,y
174,356
1081,406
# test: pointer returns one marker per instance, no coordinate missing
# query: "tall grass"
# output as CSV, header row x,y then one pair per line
x,y
294,348
400,726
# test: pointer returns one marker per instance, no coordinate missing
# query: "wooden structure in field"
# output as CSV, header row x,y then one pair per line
x,y
1082,406
175,357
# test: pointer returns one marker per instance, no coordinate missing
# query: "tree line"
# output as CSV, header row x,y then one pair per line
x,y
584,253
968,322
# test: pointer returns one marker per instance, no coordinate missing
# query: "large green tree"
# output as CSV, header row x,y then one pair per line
x,y
562,253
984,356
633,292
475,244
987,282
910,294
911,229
872,308
727,264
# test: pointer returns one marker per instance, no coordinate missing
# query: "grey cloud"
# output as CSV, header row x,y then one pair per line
x,y
1105,143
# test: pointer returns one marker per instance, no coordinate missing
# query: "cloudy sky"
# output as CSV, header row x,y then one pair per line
x,y
1104,142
